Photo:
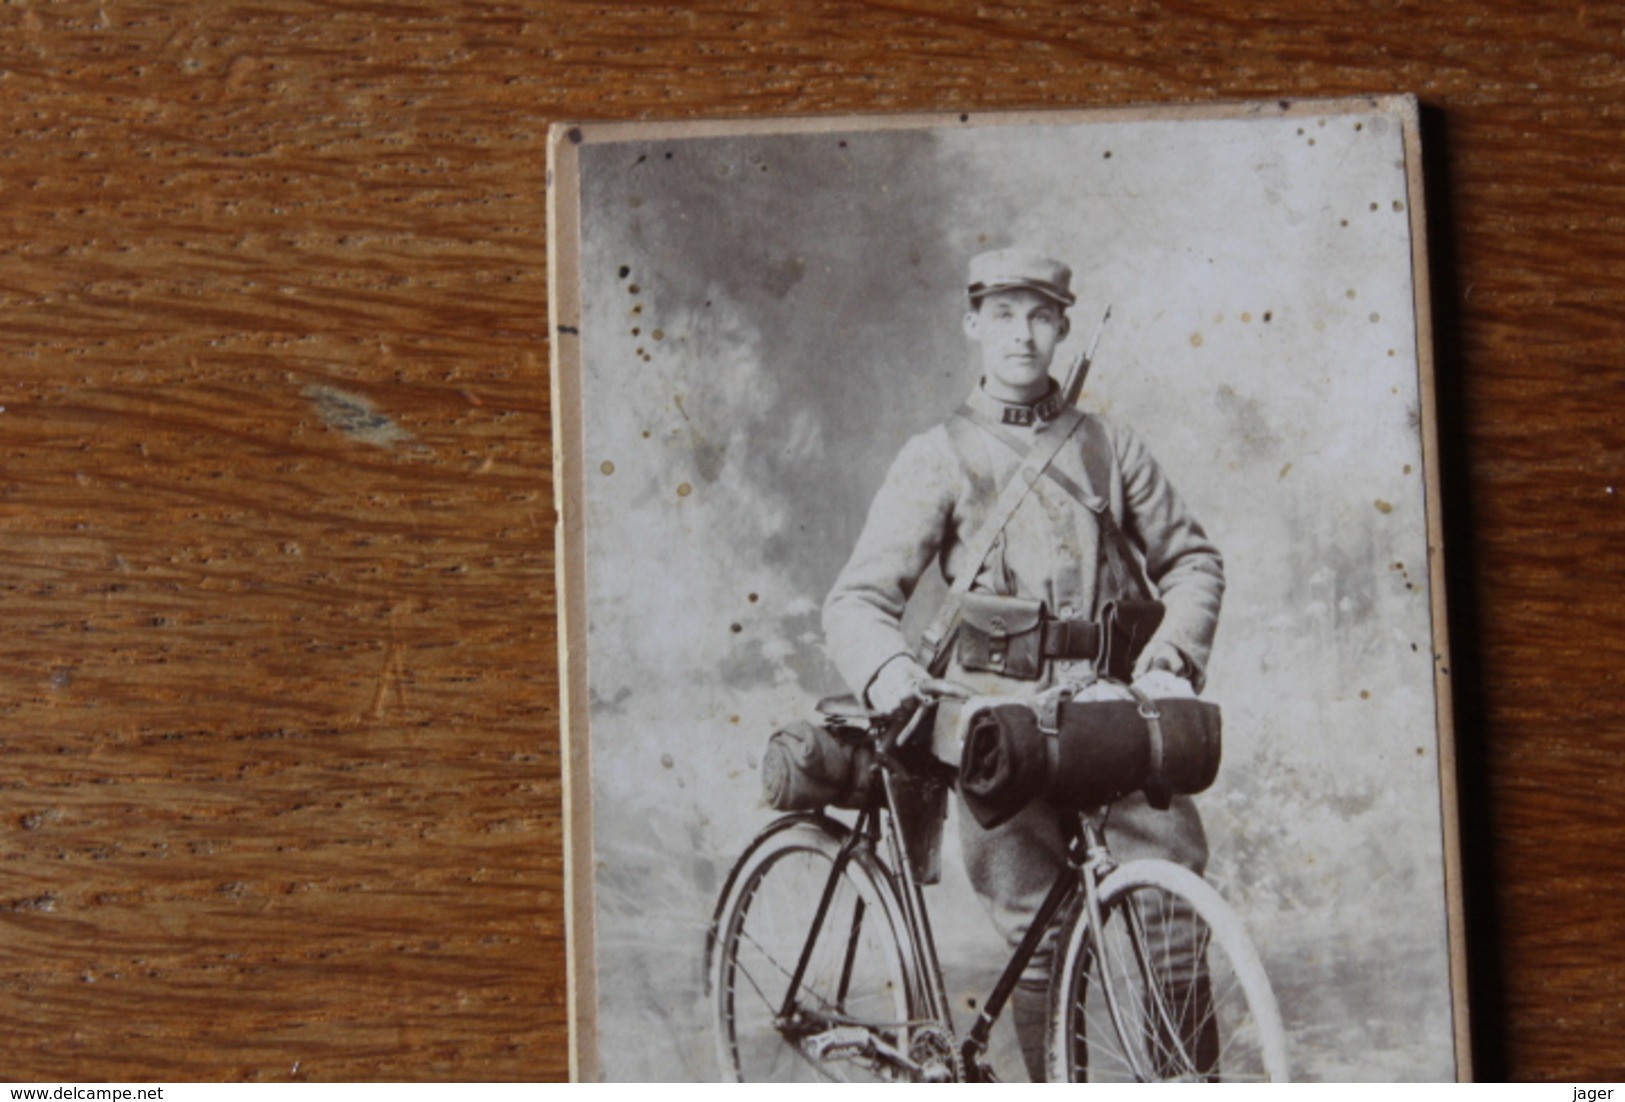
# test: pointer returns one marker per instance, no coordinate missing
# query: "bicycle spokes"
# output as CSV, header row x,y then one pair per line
x,y
847,1017
1165,988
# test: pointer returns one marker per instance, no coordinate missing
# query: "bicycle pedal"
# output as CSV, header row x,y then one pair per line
x,y
842,1040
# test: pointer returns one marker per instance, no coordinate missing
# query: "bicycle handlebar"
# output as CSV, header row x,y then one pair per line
x,y
897,729
935,688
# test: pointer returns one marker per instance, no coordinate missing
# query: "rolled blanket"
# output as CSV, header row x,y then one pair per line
x,y
1104,750
1192,742
1005,763
807,767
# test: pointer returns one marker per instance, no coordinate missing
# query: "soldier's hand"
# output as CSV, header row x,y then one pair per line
x,y
895,684
1160,656
1162,685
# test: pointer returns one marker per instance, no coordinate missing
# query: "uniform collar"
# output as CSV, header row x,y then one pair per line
x,y
1043,411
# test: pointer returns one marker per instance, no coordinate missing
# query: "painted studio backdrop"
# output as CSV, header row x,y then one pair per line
x,y
766,319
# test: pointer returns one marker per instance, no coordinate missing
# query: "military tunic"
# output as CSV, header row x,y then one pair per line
x,y
936,497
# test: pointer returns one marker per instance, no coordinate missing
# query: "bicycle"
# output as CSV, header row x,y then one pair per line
x,y
822,965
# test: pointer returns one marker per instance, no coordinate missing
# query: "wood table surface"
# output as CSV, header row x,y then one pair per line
x,y
279,775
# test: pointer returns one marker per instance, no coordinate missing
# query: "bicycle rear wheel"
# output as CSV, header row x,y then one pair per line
x,y
1169,989
849,1019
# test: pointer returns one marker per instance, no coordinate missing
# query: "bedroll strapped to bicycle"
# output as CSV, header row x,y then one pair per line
x,y
808,767
1097,753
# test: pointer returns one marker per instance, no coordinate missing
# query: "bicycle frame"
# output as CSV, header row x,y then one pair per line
x,y
1088,863
1128,1003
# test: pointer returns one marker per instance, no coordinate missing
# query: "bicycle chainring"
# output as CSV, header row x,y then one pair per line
x,y
932,1050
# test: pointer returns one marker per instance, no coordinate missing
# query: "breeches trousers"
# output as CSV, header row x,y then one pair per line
x,y
1014,865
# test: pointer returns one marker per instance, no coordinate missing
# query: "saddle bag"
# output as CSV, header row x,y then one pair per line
x,y
807,767
1100,752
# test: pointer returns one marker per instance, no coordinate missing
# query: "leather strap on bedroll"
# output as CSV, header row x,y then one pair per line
x,y
1102,751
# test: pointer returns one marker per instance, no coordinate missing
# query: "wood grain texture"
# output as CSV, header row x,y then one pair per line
x,y
279,780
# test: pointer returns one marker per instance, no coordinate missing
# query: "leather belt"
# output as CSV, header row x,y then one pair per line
x,y
1073,638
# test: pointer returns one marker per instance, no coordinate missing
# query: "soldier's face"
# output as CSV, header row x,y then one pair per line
x,y
1018,332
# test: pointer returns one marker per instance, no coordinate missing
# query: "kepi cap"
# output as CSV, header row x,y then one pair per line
x,y
1013,269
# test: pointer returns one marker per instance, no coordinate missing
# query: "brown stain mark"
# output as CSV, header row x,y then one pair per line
x,y
1383,506
355,416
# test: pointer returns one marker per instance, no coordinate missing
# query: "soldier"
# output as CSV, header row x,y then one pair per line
x,y
1102,500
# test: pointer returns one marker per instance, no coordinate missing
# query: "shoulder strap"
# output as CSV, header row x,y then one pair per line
x,y
1097,462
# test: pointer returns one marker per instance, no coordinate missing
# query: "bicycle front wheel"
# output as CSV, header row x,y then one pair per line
x,y
848,1020
1169,988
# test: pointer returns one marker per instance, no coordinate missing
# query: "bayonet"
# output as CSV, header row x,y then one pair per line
x,y
1080,367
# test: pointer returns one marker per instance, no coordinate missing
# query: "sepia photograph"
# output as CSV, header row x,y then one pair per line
x,y
1002,617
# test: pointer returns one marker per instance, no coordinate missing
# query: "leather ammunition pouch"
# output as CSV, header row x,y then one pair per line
x,y
807,767
1100,752
1014,636
1002,635
1126,627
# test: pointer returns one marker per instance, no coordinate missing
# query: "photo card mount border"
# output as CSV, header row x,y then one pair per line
x,y
565,140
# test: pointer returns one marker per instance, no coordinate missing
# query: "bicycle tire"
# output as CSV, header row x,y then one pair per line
x,y
1164,928
762,927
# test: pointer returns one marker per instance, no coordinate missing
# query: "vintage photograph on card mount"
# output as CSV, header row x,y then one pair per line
x,y
1003,626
